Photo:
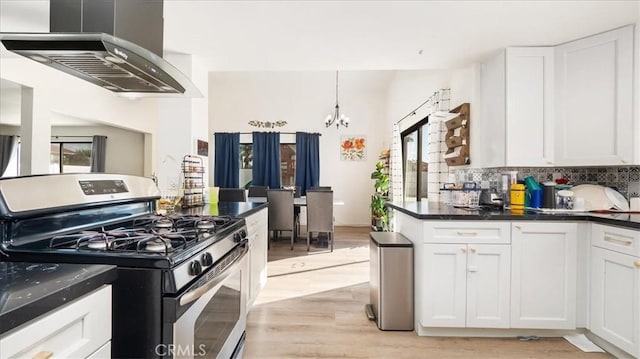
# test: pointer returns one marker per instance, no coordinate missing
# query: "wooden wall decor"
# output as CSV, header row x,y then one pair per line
x,y
457,137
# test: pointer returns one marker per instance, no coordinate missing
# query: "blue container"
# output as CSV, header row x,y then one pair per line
x,y
536,198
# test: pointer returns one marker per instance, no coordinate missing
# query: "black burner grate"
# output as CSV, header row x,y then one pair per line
x,y
153,234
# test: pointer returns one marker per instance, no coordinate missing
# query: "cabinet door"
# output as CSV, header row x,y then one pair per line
x,y
443,299
258,237
595,100
75,330
488,283
529,106
544,275
489,133
615,298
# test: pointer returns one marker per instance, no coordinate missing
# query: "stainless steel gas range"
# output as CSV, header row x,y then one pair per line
x,y
182,284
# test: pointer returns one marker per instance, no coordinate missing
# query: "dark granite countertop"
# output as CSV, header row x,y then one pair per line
x,y
28,290
233,209
440,211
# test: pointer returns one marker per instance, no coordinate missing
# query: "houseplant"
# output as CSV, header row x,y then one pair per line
x,y
379,211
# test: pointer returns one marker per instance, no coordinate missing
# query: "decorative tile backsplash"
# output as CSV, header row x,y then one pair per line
x,y
625,179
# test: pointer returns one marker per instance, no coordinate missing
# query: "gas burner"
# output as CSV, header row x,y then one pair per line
x,y
205,225
163,223
98,243
158,245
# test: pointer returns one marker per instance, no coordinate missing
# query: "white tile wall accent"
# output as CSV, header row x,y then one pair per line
x,y
438,171
625,179
395,165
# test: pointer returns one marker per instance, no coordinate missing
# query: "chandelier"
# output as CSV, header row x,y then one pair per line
x,y
337,118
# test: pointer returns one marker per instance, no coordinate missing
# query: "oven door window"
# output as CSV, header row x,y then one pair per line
x,y
218,318
213,325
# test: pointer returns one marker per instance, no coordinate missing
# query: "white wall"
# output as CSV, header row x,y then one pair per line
x,y
181,122
408,90
304,99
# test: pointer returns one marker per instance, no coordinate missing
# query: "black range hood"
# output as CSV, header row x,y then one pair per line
x,y
93,40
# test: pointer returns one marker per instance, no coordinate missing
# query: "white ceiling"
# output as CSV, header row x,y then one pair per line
x,y
373,35
349,35
356,35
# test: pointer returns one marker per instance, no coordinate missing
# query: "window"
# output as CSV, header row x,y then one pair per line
x,y
287,163
70,157
415,161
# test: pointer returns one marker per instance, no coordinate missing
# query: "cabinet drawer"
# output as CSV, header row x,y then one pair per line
x,y
486,232
75,330
617,239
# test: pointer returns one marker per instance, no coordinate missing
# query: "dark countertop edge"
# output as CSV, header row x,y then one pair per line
x,y
21,315
254,210
516,217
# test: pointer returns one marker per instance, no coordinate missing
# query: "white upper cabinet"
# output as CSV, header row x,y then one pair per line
x,y
517,108
594,100
490,151
529,106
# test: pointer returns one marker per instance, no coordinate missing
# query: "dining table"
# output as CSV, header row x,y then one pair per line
x,y
297,201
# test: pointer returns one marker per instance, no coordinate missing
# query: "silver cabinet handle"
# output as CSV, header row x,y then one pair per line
x,y
625,242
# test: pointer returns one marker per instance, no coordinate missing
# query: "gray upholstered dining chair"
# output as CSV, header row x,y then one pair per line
x,y
232,195
258,191
321,188
281,213
320,214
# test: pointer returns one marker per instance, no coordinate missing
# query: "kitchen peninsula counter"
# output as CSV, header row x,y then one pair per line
x,y
440,211
33,289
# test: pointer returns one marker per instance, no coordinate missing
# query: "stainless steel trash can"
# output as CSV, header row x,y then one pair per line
x,y
391,281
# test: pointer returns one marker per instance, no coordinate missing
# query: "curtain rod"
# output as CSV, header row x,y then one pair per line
x,y
417,108
282,133
58,136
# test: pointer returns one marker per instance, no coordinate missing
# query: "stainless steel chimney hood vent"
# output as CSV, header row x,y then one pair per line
x,y
105,60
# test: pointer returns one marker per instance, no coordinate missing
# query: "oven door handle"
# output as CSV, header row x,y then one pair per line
x,y
195,294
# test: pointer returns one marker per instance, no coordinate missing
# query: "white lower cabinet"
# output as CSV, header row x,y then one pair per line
x,y
524,275
615,287
258,236
80,329
103,353
543,275
466,283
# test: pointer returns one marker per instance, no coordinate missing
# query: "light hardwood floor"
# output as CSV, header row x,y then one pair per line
x,y
313,307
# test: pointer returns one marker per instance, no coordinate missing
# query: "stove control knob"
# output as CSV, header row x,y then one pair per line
x,y
237,237
207,259
243,233
195,268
